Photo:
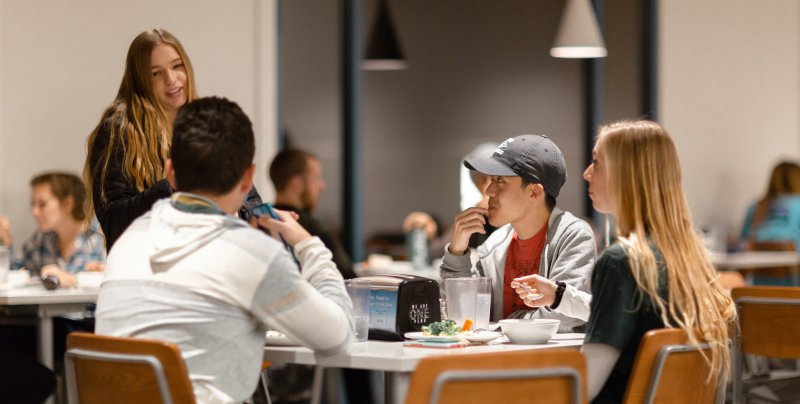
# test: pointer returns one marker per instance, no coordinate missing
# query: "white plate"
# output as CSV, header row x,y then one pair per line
x,y
280,339
482,336
420,336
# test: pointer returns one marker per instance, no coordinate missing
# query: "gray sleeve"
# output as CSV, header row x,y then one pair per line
x,y
573,262
455,266
576,253
312,307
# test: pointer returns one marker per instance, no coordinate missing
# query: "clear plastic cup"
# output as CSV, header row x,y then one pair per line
x,y
483,303
359,290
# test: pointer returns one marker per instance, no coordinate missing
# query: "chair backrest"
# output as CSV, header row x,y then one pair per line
x,y
551,376
767,326
102,369
768,320
779,274
670,370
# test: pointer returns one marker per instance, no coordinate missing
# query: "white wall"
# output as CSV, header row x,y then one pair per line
x,y
61,63
730,98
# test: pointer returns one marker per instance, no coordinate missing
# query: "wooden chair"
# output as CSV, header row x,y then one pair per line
x,y
103,369
782,275
548,376
731,280
768,326
669,370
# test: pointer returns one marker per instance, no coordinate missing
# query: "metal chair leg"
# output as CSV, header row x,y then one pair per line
x,y
264,389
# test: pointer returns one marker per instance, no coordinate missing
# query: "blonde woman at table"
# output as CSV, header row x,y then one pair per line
x,y
64,242
658,273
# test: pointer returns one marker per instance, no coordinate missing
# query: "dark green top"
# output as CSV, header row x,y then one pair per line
x,y
620,316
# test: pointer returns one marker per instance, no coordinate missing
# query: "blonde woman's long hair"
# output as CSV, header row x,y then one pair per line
x,y
136,120
644,183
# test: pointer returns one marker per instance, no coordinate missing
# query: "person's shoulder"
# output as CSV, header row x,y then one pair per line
x,y
613,263
793,200
253,242
497,238
566,220
616,251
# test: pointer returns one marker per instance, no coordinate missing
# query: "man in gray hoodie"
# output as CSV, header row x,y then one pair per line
x,y
534,237
191,272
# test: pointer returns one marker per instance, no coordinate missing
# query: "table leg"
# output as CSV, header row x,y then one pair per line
x,y
44,336
396,385
316,385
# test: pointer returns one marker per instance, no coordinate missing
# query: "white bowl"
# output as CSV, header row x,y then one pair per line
x,y
531,331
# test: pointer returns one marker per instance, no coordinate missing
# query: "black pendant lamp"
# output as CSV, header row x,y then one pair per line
x,y
383,49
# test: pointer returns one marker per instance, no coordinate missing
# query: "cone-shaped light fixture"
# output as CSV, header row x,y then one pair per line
x,y
383,49
579,34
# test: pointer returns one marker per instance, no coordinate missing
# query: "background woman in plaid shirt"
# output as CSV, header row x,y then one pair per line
x,y
64,244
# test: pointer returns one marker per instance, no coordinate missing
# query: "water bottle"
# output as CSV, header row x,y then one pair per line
x,y
417,249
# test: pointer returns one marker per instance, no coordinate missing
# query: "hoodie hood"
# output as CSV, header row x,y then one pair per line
x,y
182,224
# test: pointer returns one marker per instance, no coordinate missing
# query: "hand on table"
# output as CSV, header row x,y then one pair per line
x,y
537,285
467,223
95,266
65,278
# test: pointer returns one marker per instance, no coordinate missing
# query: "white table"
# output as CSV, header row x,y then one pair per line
x,y
397,361
754,259
758,260
45,304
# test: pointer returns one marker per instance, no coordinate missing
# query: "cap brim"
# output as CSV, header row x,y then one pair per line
x,y
489,166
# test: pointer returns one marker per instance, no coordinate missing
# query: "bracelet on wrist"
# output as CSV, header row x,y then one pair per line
x,y
559,294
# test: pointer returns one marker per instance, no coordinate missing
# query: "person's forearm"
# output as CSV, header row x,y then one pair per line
x,y
312,307
455,265
600,360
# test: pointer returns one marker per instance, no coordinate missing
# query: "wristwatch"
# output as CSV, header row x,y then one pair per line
x,y
559,294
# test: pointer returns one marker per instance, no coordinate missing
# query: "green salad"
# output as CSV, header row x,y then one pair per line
x,y
444,327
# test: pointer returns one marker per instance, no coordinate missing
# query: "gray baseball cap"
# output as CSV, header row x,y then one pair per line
x,y
535,158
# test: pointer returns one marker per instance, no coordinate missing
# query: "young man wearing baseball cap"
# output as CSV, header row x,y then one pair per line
x,y
534,236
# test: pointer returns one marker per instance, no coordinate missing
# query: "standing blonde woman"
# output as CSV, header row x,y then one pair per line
x,y
124,169
657,274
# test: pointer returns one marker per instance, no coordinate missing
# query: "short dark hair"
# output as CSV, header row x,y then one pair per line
x,y
549,200
287,164
212,145
64,185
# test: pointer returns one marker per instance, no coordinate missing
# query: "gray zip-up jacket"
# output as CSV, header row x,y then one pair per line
x,y
569,256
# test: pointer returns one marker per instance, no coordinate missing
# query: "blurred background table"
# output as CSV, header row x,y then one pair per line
x,y
33,300
398,268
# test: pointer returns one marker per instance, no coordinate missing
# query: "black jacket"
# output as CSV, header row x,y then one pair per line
x,y
123,202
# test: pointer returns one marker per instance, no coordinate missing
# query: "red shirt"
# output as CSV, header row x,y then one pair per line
x,y
522,258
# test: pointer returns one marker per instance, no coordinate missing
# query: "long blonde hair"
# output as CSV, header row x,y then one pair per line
x,y
136,120
644,183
